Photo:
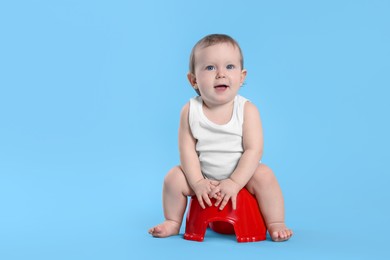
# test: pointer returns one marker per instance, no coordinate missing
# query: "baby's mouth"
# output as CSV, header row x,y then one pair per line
x,y
221,87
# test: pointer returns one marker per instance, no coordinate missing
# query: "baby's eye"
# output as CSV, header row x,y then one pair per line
x,y
230,67
210,67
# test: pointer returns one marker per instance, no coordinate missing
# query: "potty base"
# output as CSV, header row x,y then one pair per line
x,y
246,221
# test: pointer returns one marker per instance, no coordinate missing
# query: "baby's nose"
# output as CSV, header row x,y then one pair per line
x,y
220,74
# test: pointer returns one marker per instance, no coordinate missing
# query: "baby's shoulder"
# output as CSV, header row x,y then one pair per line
x,y
250,109
185,108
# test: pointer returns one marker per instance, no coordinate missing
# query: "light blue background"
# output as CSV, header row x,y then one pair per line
x,y
90,96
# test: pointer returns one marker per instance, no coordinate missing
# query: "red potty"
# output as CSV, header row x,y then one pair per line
x,y
246,221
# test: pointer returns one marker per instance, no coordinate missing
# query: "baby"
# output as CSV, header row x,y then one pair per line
x,y
220,143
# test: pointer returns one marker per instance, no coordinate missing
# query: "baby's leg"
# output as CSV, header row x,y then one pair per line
x,y
266,189
175,192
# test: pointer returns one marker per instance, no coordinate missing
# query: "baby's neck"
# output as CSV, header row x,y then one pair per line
x,y
219,115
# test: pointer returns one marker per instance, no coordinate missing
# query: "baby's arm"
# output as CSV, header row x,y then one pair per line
x,y
253,150
190,162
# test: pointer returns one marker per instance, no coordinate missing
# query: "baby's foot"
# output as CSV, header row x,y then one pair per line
x,y
279,232
165,229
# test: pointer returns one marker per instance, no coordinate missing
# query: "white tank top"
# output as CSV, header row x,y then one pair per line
x,y
219,147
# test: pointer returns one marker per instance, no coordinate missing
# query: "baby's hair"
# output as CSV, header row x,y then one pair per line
x,y
210,40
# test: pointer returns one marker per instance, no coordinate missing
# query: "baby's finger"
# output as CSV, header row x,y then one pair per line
x,y
224,202
200,200
218,201
207,200
214,183
214,192
234,202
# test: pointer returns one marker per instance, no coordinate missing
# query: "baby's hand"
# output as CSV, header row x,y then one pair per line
x,y
202,190
226,190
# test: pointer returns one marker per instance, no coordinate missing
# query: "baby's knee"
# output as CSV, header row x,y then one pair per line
x,y
173,176
265,170
263,175
176,182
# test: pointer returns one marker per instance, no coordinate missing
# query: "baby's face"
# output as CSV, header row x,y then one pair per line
x,y
218,73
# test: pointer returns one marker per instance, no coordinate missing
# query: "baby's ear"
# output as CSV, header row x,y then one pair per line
x,y
243,76
191,78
